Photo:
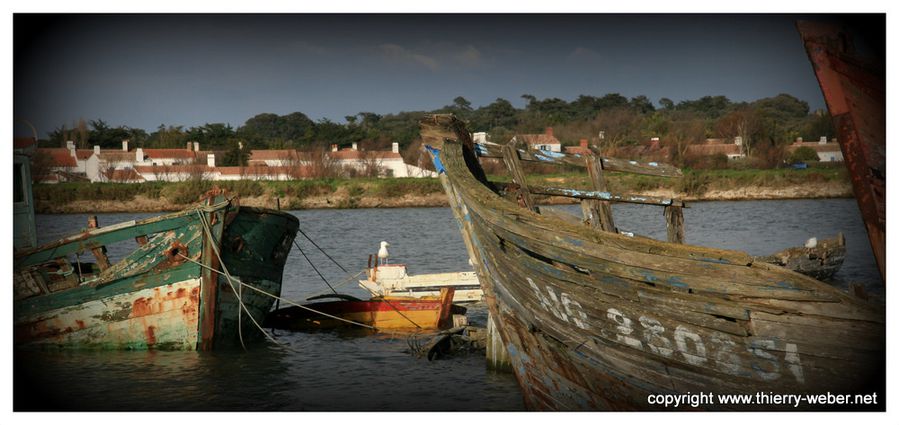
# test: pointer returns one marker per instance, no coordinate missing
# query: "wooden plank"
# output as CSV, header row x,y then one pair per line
x,y
510,157
674,216
100,251
597,195
600,209
649,168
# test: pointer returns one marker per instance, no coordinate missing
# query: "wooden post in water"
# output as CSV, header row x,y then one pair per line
x,y
497,356
674,216
99,252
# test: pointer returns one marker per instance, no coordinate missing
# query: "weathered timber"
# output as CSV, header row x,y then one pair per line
x,y
674,219
853,82
595,195
510,157
820,261
100,251
600,210
597,320
651,168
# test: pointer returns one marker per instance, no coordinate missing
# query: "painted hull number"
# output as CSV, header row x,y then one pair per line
x,y
769,359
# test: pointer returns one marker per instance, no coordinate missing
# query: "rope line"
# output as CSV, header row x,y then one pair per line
x,y
320,249
313,266
280,298
345,271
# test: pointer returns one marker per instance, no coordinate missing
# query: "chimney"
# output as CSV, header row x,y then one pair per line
x,y
333,148
139,155
96,150
210,160
584,143
798,140
70,145
189,146
822,140
355,146
738,141
196,146
549,131
125,145
395,147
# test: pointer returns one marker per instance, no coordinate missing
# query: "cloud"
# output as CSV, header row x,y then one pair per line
x,y
583,54
401,54
469,56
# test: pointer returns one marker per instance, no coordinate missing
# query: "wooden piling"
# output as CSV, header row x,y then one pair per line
x,y
497,356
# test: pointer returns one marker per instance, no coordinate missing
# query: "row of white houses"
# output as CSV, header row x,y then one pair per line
x,y
53,165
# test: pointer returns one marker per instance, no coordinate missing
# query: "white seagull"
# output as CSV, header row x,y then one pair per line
x,y
811,243
382,253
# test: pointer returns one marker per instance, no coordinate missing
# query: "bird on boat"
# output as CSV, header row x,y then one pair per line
x,y
382,253
811,243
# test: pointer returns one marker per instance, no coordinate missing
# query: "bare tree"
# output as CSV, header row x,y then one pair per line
x,y
681,134
371,164
742,123
322,164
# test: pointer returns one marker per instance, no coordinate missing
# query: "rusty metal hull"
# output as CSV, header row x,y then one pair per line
x,y
854,87
599,321
169,294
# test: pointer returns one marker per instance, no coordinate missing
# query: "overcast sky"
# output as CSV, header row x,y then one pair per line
x,y
147,70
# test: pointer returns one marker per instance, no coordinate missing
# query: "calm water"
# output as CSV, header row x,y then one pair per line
x,y
330,371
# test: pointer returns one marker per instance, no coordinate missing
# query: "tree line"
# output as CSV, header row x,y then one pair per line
x,y
765,125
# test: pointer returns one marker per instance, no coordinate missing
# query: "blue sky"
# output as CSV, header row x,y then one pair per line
x,y
147,70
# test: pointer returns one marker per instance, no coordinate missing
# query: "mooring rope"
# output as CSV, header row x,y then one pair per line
x,y
345,271
313,266
320,249
238,291
273,296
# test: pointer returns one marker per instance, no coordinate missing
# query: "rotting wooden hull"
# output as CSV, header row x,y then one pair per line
x,y
598,321
154,298
852,76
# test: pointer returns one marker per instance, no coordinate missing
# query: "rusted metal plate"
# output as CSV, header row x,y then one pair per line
x,y
854,89
163,317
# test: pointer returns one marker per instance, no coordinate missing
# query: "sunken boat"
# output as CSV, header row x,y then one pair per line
x,y
594,319
198,279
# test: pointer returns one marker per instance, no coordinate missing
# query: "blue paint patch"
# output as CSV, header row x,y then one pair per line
x,y
649,277
676,281
786,285
553,154
713,260
653,164
575,242
480,149
438,165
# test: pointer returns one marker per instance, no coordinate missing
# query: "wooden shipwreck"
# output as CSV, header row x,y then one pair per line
x,y
597,320
172,292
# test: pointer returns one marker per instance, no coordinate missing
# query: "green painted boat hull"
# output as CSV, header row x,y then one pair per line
x,y
170,293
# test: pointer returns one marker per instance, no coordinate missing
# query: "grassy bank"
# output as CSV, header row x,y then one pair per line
x,y
396,192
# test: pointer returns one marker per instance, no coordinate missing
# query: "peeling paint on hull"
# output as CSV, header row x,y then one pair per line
x,y
164,317
168,294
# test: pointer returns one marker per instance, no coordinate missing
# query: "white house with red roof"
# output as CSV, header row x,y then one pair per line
x,y
546,141
827,151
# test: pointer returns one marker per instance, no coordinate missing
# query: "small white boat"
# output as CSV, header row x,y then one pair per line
x,y
392,280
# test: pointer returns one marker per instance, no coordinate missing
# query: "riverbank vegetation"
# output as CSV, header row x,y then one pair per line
x,y
85,197
765,127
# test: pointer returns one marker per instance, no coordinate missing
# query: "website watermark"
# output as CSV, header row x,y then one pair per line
x,y
702,399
